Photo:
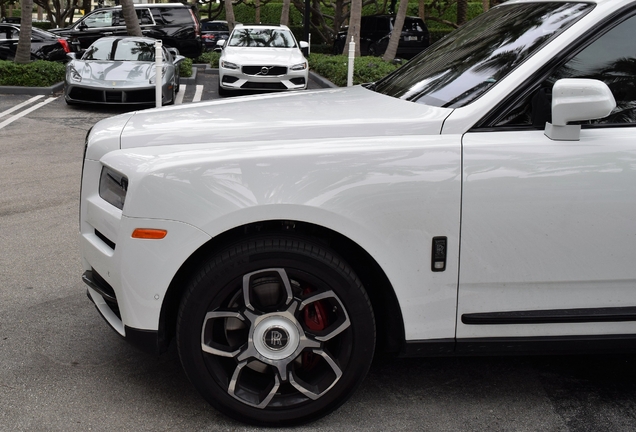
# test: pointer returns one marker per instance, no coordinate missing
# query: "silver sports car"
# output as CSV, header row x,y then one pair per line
x,y
121,70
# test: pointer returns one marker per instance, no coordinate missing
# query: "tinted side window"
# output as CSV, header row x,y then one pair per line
x,y
611,59
99,19
170,16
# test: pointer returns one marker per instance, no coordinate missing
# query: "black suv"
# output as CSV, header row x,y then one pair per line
x,y
174,23
375,31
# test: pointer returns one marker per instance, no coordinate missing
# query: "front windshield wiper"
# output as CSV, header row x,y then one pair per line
x,y
370,86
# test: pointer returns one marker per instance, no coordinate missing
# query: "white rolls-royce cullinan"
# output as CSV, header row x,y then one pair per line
x,y
480,199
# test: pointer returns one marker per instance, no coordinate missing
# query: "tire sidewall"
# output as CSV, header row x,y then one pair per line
x,y
222,271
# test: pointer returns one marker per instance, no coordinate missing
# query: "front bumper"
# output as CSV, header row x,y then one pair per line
x,y
128,278
83,94
232,79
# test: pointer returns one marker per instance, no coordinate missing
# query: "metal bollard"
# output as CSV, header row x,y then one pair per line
x,y
158,71
352,56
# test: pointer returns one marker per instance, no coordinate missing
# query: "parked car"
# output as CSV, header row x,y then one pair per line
x,y
262,57
212,32
173,23
478,200
375,32
121,70
44,45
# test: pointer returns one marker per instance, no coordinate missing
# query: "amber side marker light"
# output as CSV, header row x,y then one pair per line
x,y
149,234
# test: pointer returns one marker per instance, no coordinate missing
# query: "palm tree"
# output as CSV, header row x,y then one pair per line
x,y
284,16
396,33
355,18
462,11
130,17
23,53
229,14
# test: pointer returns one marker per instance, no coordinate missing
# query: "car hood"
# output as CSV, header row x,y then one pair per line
x,y
263,56
125,73
304,115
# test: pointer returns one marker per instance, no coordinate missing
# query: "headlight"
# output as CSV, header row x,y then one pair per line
x,y
75,75
113,187
228,65
299,66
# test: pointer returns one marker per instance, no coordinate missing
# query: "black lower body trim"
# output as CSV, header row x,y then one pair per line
x,y
553,316
145,340
549,345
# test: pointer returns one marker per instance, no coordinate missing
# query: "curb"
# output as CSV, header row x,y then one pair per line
x,y
32,90
191,79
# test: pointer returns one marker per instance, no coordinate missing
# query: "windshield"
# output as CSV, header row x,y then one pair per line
x,y
120,50
262,37
465,64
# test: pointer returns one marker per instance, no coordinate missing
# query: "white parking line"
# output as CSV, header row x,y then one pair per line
x,y
23,104
25,112
198,93
179,99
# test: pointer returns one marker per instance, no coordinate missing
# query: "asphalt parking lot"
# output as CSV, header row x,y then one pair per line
x,y
63,369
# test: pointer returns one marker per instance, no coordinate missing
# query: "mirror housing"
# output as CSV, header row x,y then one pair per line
x,y
577,99
220,44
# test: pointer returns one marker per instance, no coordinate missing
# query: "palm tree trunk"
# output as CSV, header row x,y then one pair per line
x,y
462,11
23,53
355,18
229,14
130,16
396,33
284,15
257,11
485,5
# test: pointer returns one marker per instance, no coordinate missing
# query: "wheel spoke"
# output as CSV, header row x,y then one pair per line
x,y
340,324
251,398
208,344
315,391
265,289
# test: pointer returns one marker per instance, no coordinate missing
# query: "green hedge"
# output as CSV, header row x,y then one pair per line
x,y
35,74
365,69
185,68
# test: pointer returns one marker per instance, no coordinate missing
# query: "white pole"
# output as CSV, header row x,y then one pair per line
x,y
158,70
309,42
352,56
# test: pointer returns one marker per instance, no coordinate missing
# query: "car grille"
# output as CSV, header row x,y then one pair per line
x,y
110,96
264,70
264,86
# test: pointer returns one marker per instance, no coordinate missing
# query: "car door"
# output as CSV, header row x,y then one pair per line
x,y
92,27
9,36
548,234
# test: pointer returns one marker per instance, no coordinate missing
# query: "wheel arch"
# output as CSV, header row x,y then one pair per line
x,y
388,315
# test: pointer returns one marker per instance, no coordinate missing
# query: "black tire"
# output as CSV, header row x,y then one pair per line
x,y
276,331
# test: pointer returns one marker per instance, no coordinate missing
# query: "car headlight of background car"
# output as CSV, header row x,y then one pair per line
x,y
75,75
113,187
228,65
299,66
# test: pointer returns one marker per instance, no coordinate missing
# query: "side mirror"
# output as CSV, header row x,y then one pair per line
x,y
220,44
303,44
178,59
577,99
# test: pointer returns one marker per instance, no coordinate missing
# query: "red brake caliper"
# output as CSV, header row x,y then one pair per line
x,y
316,320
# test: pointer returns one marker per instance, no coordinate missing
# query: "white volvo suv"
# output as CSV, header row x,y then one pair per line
x,y
262,57
480,199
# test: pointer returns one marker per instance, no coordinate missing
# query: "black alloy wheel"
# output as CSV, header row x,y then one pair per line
x,y
276,331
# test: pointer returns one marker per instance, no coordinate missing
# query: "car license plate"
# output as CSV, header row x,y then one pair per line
x,y
410,38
